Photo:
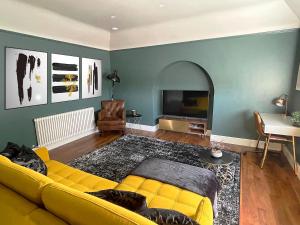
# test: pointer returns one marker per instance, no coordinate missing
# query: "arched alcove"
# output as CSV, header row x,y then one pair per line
x,y
183,75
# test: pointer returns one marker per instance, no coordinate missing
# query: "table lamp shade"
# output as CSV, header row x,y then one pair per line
x,y
281,101
114,77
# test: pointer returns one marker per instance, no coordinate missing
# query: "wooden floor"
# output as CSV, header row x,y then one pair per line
x,y
269,196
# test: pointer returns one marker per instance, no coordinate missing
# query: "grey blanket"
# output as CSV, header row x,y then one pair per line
x,y
195,179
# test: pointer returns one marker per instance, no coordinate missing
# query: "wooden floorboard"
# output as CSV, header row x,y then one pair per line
x,y
269,196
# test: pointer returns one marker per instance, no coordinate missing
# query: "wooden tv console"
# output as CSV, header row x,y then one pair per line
x,y
183,124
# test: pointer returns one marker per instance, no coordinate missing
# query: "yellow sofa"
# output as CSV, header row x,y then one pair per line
x,y
30,198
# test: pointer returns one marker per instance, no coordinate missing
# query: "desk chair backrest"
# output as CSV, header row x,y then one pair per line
x,y
259,124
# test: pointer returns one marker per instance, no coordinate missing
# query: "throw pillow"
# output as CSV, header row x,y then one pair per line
x,y
167,217
11,150
129,200
25,156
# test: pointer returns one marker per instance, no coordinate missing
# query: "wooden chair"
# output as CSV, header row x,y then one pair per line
x,y
268,137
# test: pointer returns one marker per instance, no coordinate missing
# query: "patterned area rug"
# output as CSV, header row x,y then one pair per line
x,y
116,160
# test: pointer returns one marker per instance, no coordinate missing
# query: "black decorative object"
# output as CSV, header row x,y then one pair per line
x,y
116,160
115,79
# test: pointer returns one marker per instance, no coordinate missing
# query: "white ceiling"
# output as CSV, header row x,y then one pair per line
x,y
137,13
144,22
295,6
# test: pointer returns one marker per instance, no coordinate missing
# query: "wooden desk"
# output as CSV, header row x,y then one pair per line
x,y
279,124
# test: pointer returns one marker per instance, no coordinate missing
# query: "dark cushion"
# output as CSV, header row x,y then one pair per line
x,y
137,203
129,200
11,150
167,217
24,156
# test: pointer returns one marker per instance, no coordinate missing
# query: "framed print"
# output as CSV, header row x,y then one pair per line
x,y
298,80
91,78
26,78
64,78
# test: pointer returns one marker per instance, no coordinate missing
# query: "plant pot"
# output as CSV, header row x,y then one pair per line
x,y
296,124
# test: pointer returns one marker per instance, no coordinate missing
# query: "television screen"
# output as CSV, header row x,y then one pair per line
x,y
186,103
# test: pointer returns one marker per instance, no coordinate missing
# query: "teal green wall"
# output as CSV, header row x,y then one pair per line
x,y
294,104
17,124
247,73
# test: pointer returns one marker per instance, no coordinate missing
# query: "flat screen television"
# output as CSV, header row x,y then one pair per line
x,y
186,103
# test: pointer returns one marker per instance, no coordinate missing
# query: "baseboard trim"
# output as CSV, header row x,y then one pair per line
x,y
244,142
142,127
289,157
213,137
71,139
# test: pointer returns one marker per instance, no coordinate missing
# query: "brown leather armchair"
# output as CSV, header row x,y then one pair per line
x,y
112,116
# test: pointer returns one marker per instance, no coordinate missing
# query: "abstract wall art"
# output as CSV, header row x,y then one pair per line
x,y
26,78
65,78
91,78
298,80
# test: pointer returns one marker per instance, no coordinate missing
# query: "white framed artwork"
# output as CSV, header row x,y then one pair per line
x,y
91,78
64,78
298,80
26,78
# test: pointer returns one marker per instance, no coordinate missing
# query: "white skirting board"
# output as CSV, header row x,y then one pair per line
x,y
244,142
142,127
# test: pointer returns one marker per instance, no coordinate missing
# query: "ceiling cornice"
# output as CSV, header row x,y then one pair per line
x,y
247,20
295,6
271,16
23,18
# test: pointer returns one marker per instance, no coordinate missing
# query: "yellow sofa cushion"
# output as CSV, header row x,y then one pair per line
x,y
17,210
77,179
86,209
72,177
43,153
162,195
24,181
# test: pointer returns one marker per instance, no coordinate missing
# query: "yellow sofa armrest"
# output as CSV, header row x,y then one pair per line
x,y
204,214
4,159
43,153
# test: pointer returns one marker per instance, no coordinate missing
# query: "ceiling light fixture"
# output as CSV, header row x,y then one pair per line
x,y
161,5
112,17
115,28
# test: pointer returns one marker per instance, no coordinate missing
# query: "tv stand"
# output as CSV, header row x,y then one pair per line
x,y
183,124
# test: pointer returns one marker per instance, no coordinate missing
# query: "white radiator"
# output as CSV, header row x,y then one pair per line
x,y
54,131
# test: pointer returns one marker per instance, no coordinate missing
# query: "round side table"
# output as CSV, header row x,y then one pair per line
x,y
220,166
135,119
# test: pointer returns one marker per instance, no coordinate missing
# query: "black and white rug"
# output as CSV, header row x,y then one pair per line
x,y
116,160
